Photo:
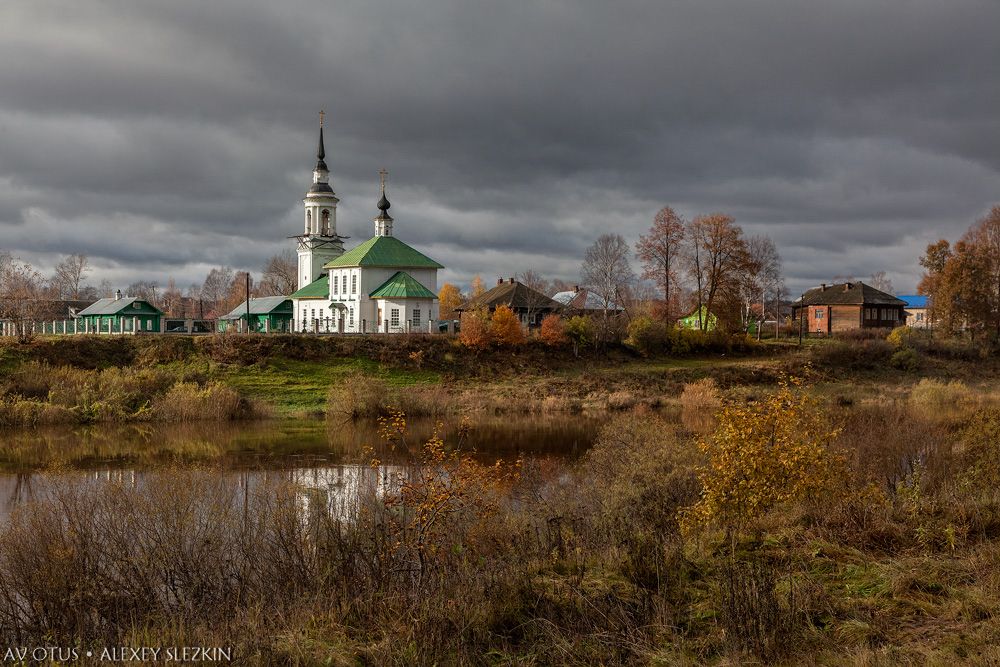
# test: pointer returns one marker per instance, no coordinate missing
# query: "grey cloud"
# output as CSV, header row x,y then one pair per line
x,y
167,138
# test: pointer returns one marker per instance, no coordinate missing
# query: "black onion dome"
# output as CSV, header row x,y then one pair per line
x,y
383,203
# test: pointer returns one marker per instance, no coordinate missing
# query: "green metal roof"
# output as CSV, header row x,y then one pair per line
x,y
113,306
261,306
402,286
386,251
317,289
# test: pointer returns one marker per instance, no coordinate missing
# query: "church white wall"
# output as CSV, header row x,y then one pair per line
x,y
315,316
360,282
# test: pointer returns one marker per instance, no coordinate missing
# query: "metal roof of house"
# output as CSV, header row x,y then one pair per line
x,y
402,286
113,306
856,293
260,306
914,300
582,299
514,295
384,251
317,289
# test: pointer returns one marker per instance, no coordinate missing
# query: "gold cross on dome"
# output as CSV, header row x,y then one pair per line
x,y
382,173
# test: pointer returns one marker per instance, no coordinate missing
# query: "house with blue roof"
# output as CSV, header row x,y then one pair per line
x,y
917,313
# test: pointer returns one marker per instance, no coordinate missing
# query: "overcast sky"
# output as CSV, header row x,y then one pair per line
x,y
166,138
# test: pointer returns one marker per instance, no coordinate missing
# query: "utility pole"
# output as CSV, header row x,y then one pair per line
x,y
802,304
248,302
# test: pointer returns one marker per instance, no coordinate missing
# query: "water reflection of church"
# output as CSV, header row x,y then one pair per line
x,y
342,491
330,491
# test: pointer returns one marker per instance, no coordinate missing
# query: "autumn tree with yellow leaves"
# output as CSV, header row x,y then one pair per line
x,y
764,454
449,298
474,331
506,327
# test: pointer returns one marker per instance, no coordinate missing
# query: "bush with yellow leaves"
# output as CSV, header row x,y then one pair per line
x,y
770,452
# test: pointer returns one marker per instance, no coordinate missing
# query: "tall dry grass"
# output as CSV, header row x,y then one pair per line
x,y
572,563
39,393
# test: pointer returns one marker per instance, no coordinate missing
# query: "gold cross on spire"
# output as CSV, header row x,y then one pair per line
x,y
321,114
382,174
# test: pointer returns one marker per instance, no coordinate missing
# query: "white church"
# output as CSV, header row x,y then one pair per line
x,y
380,286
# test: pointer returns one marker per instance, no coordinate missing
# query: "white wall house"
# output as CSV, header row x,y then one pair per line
x,y
381,286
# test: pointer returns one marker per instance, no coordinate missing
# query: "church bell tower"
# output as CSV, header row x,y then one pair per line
x,y
319,243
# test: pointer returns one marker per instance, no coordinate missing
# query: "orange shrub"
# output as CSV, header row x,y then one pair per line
x,y
475,329
553,333
506,327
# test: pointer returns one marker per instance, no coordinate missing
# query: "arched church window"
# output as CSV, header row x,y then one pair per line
x,y
326,222
309,221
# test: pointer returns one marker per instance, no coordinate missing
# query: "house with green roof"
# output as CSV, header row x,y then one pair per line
x,y
265,314
382,285
120,314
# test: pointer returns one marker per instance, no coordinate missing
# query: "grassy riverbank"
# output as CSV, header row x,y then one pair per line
x,y
80,380
868,536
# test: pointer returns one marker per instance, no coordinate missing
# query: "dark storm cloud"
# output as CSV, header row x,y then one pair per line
x,y
166,139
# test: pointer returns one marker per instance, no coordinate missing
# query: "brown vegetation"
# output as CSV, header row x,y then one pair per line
x,y
848,535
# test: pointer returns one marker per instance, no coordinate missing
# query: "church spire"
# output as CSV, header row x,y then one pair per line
x,y
383,221
321,151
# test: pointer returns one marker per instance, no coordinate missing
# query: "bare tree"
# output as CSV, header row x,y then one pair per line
x,y
534,280
173,300
67,283
881,282
216,288
760,280
143,289
280,275
606,272
658,253
21,295
237,292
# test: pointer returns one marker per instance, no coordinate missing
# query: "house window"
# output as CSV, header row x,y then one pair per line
x,y
920,317
335,285
416,317
819,314
350,316
354,283
344,279
394,317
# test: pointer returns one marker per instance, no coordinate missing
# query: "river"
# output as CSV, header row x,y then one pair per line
x,y
331,458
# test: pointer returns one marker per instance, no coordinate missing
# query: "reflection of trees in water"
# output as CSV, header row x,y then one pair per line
x,y
15,490
275,443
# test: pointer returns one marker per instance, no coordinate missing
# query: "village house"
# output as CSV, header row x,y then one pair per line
x,y
917,313
696,318
267,314
120,314
828,309
530,305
